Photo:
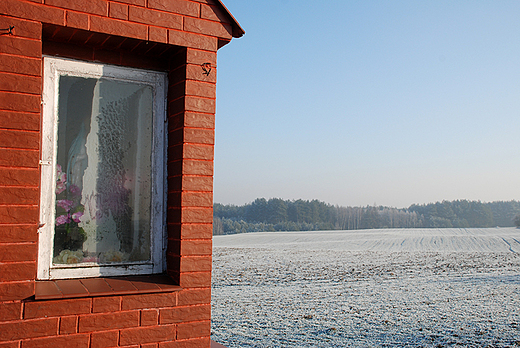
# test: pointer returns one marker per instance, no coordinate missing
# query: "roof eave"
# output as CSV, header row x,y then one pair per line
x,y
237,29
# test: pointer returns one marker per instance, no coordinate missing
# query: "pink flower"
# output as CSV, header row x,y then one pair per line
x,y
74,189
61,181
65,204
60,174
60,187
76,216
62,219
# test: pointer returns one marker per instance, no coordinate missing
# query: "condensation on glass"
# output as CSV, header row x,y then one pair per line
x,y
103,171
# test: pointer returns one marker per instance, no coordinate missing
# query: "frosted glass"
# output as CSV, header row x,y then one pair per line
x,y
104,170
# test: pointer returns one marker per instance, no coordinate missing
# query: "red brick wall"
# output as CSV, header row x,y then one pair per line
x,y
20,90
177,319
199,28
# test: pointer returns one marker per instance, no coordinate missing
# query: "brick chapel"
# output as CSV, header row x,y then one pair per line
x,y
107,117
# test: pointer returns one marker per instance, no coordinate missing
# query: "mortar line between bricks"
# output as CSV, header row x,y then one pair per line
x,y
193,32
191,191
17,243
194,305
18,205
201,128
15,225
191,175
68,9
25,281
196,289
18,74
22,313
182,113
21,112
22,56
195,321
188,16
6,90
201,49
22,93
18,148
152,9
196,96
186,143
21,149
191,223
22,37
192,240
206,82
20,130
186,127
19,167
179,176
21,19
19,186
194,272
8,72
191,159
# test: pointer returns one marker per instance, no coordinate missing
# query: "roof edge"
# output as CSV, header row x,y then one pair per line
x,y
237,29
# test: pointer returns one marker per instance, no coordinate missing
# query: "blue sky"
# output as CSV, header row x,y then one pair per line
x,y
369,102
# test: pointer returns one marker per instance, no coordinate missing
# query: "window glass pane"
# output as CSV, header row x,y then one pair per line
x,y
103,186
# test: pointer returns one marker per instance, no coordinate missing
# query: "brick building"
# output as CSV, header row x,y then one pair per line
x,y
106,171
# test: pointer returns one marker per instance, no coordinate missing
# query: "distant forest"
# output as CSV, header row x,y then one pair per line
x,y
275,214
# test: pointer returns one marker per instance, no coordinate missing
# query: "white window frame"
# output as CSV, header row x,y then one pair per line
x,y
53,69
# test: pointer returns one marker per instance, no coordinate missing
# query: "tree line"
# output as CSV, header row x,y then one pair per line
x,y
275,214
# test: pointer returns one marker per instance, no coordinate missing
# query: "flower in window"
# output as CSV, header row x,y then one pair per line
x,y
65,204
62,219
69,236
61,181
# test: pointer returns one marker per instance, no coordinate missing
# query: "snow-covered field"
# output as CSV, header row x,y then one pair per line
x,y
368,288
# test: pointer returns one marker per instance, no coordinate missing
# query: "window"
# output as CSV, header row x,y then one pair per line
x,y
103,173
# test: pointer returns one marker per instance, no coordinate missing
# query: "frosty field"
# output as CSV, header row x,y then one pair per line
x,y
368,288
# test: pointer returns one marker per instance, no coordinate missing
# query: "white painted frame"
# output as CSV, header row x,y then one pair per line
x,y
53,69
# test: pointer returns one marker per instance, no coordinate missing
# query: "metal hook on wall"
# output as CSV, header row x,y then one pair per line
x,y
9,30
206,67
